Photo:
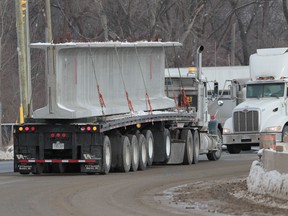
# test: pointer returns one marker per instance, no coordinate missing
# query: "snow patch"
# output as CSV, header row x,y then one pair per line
x,y
261,182
8,154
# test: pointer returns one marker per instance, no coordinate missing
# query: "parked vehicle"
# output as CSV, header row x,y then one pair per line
x,y
264,110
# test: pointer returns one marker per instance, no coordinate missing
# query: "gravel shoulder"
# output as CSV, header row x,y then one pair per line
x,y
229,197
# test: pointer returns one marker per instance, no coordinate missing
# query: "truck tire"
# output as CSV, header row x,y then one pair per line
x,y
107,156
121,157
162,144
142,151
189,146
38,169
234,149
215,155
196,145
167,142
150,146
285,134
246,148
134,148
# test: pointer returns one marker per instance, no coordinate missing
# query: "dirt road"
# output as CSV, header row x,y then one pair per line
x,y
138,193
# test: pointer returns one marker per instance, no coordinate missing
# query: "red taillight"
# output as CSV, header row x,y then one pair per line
x,y
82,128
58,135
26,128
33,128
63,135
88,128
212,117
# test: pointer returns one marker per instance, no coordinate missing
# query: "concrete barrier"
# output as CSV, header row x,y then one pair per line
x,y
273,160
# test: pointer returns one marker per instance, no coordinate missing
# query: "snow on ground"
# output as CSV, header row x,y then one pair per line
x,y
272,183
8,154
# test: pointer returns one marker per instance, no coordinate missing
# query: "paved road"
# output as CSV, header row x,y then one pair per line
x,y
114,194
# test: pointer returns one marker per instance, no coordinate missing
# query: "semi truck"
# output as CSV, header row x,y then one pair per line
x,y
107,111
224,83
264,110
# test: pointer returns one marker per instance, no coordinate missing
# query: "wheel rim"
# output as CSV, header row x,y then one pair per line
x,y
150,147
219,145
143,153
135,155
107,155
285,135
196,143
190,148
127,155
168,146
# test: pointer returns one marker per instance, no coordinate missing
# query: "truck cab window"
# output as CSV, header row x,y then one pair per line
x,y
265,90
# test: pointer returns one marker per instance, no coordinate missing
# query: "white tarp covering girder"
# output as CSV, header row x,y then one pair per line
x,y
117,68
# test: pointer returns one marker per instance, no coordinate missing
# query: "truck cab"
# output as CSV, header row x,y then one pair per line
x,y
265,110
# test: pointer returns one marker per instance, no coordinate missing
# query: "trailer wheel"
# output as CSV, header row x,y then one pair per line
x,y
24,173
215,155
121,157
162,146
234,149
107,156
38,169
196,142
134,148
150,146
167,142
142,151
189,146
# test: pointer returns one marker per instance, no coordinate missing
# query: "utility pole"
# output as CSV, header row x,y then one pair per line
x,y
233,44
0,92
48,22
23,63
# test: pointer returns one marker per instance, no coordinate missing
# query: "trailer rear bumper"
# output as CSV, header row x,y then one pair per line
x,y
30,165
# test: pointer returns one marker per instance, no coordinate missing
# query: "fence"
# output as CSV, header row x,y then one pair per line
x,y
7,136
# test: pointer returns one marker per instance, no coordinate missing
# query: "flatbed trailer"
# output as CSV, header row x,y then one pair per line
x,y
78,132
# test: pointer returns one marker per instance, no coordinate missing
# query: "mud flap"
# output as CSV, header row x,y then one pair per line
x,y
177,152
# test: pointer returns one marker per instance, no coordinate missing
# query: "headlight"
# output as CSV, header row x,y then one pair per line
x,y
273,129
226,131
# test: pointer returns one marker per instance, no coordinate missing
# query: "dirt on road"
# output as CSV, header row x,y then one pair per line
x,y
228,197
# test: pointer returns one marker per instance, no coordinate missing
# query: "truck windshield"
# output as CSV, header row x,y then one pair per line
x,y
265,90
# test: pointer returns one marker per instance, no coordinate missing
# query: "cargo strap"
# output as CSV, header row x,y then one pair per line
x,y
129,102
101,99
170,79
149,103
184,100
141,71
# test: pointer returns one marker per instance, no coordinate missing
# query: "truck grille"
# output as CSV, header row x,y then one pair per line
x,y
246,121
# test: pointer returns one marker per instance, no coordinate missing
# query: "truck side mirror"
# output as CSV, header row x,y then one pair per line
x,y
216,89
233,91
220,103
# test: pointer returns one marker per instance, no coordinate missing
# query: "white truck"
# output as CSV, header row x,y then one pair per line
x,y
107,110
264,110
